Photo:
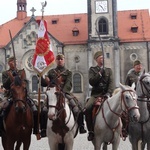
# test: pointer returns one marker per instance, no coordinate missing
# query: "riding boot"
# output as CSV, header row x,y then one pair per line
x,y
81,123
32,105
35,125
43,121
1,125
89,123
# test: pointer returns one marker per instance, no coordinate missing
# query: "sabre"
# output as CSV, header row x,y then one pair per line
x,y
101,44
13,48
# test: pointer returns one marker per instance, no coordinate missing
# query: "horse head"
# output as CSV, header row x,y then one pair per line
x,y
129,102
18,91
143,85
56,99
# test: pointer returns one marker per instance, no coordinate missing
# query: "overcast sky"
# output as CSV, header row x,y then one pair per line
x,y
8,8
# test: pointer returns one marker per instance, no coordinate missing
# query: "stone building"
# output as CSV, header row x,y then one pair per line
x,y
123,36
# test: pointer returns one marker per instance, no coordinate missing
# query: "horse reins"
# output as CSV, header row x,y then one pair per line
x,y
119,115
141,99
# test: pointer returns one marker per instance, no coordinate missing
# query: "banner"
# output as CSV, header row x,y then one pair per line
x,y
43,56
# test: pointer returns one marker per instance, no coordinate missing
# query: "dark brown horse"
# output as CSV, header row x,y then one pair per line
x,y
18,123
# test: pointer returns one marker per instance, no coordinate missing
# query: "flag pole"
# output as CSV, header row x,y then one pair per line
x,y
39,84
39,106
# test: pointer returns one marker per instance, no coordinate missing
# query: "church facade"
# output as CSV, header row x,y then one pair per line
x,y
123,36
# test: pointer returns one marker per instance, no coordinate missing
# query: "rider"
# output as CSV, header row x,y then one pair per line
x,y
134,73
131,78
66,87
101,80
6,102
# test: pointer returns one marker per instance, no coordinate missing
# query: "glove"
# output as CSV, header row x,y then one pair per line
x,y
101,71
107,95
14,73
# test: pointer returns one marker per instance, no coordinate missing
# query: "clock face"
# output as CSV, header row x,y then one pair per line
x,y
101,6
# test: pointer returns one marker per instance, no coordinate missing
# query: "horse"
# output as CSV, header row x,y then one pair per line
x,y
62,127
18,122
139,132
108,125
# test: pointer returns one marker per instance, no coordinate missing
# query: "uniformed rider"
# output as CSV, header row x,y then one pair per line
x,y
66,87
6,102
134,73
101,80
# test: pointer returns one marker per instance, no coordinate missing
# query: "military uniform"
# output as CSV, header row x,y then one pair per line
x,y
132,77
5,105
66,75
7,81
101,80
66,87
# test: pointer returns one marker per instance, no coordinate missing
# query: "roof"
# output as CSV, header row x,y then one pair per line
x,y
126,21
62,31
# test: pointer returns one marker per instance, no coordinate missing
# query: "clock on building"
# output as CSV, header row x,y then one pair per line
x,y
101,6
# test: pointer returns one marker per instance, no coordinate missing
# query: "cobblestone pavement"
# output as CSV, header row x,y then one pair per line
x,y
80,143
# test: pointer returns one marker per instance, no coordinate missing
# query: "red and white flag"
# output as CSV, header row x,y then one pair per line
x,y
43,56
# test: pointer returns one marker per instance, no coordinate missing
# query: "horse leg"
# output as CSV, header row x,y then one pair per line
x,y
104,146
148,145
26,143
115,145
134,144
10,144
61,146
18,144
53,145
69,145
4,143
97,143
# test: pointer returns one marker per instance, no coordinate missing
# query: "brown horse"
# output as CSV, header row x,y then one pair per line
x,y
18,123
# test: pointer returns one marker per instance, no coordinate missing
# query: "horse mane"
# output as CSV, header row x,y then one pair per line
x,y
116,91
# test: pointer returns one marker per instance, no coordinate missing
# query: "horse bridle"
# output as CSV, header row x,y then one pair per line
x,y
123,101
59,111
14,100
119,115
143,86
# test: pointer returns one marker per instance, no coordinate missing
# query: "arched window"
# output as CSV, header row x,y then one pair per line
x,y
77,83
34,83
103,26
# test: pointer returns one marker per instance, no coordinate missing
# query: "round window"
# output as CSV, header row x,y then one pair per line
x,y
133,56
29,63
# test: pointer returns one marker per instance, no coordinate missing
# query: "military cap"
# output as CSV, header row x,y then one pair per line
x,y
11,58
136,62
60,55
97,54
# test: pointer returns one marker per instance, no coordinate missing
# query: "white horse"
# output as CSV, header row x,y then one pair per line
x,y
61,126
139,133
108,125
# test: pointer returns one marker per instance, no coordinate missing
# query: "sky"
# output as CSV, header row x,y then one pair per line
x,y
8,8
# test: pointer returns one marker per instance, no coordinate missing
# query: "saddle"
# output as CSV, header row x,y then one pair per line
x,y
97,106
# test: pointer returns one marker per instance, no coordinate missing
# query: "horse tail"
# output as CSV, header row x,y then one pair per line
x,y
140,145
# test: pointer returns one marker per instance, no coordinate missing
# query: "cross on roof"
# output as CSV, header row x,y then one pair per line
x,y
33,10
